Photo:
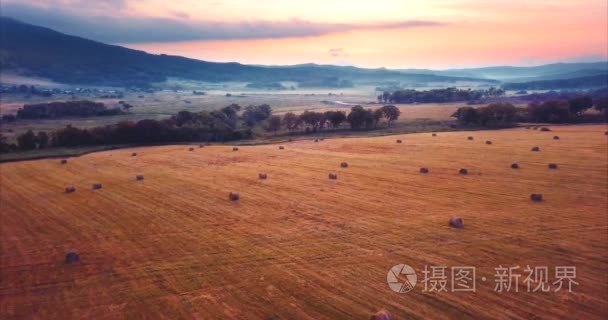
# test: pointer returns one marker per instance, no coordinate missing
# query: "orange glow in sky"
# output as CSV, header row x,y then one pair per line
x,y
379,33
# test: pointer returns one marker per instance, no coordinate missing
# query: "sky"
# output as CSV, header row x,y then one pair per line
x,y
437,34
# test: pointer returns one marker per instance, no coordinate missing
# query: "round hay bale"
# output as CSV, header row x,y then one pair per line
x,y
201,145
233,196
191,149
235,149
381,315
322,139
96,186
399,141
139,177
344,165
469,138
536,197
434,134
536,149
64,161
463,171
606,133
555,137
134,154
552,165
281,147
72,257
545,129
70,189
316,140
424,170
263,176
514,166
289,140
456,222
488,142
333,176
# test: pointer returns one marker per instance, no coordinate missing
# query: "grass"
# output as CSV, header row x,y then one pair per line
x,y
299,245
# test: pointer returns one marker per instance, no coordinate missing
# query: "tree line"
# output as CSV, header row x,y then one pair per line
x,y
549,111
50,110
229,123
438,95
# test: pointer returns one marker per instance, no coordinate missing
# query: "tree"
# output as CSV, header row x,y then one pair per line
x,y
291,121
391,113
315,120
255,114
466,115
580,104
359,117
335,118
43,140
377,114
27,141
549,111
274,123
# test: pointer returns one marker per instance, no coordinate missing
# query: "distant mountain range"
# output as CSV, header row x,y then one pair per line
x,y
31,50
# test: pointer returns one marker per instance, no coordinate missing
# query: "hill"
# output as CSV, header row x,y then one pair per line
x,y
41,52
301,246
597,81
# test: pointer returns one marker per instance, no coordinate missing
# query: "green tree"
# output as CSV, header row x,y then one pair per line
x,y
27,141
43,140
391,113
580,104
274,124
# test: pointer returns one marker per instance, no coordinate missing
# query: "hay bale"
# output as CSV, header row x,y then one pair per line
x,y
463,171
139,177
469,138
70,189
536,197
191,149
399,141
72,257
64,161
606,133
344,165
424,170
434,134
233,196
289,140
263,176
488,142
456,222
201,145
545,129
235,149
281,147
552,165
316,140
514,166
381,315
333,176
134,154
96,186
555,137
536,149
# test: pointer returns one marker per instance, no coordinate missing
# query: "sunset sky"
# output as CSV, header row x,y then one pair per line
x,y
380,33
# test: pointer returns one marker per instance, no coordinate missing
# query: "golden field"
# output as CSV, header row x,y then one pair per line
x,y
301,246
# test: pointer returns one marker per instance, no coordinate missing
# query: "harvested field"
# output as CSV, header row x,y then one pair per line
x,y
301,246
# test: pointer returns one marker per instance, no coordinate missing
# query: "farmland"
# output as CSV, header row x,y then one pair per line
x,y
301,246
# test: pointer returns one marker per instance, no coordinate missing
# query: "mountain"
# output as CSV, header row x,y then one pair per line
x,y
597,81
36,51
544,72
